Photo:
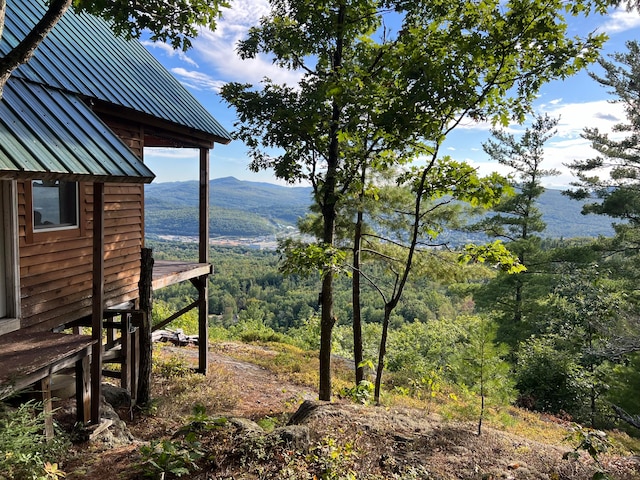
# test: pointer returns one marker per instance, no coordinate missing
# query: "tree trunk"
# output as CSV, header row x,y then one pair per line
x,y
382,352
329,209
357,311
358,356
146,346
327,321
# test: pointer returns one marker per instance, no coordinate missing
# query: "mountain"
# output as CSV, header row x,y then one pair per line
x,y
238,208
251,209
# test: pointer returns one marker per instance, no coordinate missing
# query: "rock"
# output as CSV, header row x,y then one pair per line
x,y
111,431
246,427
115,396
295,437
306,410
516,465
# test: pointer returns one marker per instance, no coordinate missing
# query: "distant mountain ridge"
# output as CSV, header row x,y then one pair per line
x,y
249,209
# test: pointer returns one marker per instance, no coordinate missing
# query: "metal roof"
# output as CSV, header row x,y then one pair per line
x,y
49,133
83,56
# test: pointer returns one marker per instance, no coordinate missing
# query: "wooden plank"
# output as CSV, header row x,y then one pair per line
x,y
124,254
55,247
114,221
54,284
124,210
122,188
53,260
167,272
122,230
50,269
52,300
34,286
25,352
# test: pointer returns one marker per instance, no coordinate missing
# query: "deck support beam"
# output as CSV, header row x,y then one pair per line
x,y
203,283
98,300
145,345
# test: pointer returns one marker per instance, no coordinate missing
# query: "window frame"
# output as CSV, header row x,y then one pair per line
x,y
55,232
11,320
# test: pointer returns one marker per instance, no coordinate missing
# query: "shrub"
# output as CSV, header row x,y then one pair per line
x,y
24,452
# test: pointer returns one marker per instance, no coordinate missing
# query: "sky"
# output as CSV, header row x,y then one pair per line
x,y
579,101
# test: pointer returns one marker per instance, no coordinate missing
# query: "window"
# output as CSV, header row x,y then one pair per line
x,y
55,205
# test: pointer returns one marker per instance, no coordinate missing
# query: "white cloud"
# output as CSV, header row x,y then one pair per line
x,y
197,80
568,145
565,147
169,51
620,20
574,117
219,48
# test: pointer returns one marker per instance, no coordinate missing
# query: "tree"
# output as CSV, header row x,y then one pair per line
x,y
612,176
435,188
402,91
176,22
480,365
517,219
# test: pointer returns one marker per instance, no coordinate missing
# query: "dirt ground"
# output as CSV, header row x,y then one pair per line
x,y
332,440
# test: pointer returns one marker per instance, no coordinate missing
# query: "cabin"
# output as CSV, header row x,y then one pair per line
x,y
76,279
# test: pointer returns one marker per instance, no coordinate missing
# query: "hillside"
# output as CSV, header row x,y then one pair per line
x,y
239,208
251,209
261,423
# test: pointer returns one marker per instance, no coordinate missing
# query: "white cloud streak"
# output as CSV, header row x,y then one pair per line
x,y
169,51
621,20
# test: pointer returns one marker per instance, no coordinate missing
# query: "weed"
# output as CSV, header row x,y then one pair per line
x,y
52,472
594,442
361,393
268,424
171,367
24,451
427,387
200,421
331,460
177,457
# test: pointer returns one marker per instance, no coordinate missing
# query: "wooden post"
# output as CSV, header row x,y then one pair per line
x,y
47,410
203,282
83,390
125,346
145,344
98,300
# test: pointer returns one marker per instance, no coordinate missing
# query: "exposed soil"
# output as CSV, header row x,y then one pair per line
x,y
328,440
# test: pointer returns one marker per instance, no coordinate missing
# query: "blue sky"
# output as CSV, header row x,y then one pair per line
x,y
579,101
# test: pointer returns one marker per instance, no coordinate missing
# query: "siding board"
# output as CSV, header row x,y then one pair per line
x,y
56,274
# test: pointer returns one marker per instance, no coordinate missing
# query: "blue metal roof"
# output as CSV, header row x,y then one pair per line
x,y
83,56
50,133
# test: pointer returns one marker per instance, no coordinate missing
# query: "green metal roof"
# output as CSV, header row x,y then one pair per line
x,y
47,133
83,56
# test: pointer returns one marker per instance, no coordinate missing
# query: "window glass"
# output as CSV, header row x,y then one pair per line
x,y
55,204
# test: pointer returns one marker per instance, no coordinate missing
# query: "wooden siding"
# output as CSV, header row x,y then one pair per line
x,y
131,134
56,269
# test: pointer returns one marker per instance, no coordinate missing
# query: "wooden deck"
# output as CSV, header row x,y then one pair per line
x,y
166,272
26,357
